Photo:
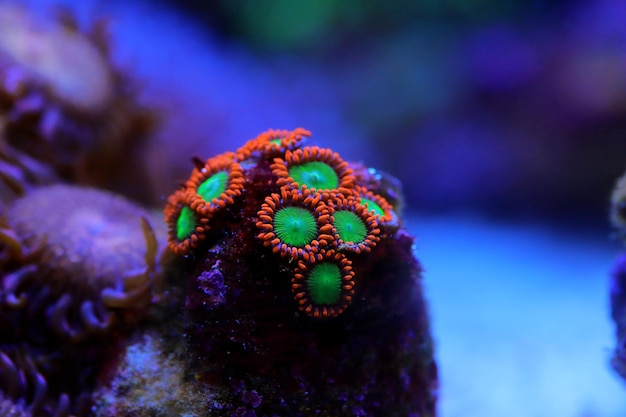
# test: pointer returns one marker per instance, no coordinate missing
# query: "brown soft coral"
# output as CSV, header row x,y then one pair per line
x,y
65,110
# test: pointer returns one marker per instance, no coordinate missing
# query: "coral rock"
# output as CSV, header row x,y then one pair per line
x,y
326,327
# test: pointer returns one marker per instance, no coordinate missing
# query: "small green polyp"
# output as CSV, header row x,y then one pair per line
x,y
315,174
295,226
372,206
324,283
213,186
350,227
186,224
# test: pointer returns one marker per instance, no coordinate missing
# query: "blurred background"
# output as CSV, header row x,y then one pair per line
x,y
515,109
505,121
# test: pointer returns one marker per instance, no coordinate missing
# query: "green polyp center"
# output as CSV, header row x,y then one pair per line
x,y
350,227
324,283
372,206
276,142
295,226
186,223
315,174
213,186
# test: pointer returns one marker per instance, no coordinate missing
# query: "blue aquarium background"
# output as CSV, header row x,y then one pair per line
x,y
505,122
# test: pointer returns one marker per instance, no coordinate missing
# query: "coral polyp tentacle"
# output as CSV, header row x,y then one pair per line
x,y
137,283
294,223
58,317
12,284
272,143
125,298
63,406
41,390
10,240
23,382
314,168
324,286
356,228
10,376
152,244
91,319
12,174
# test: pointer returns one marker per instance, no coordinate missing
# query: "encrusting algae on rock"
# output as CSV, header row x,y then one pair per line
x,y
300,294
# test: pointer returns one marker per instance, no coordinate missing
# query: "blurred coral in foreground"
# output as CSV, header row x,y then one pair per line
x,y
68,113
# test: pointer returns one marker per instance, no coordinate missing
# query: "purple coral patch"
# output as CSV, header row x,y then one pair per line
x,y
211,283
252,397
